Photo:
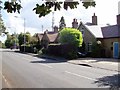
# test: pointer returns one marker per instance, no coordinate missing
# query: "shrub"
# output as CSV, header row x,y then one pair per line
x,y
97,50
67,51
71,36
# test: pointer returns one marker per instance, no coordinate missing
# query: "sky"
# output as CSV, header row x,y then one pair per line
x,y
106,11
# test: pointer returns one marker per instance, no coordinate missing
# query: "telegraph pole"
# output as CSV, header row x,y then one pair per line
x,y
52,21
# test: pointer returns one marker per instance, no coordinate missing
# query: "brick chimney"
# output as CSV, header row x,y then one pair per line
x,y
55,29
94,19
74,23
118,19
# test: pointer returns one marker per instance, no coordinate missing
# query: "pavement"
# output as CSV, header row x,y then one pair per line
x,y
101,63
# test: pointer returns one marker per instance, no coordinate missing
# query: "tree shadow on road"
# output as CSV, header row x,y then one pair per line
x,y
111,81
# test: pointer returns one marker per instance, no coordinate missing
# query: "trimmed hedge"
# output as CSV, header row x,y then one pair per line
x,y
67,51
27,49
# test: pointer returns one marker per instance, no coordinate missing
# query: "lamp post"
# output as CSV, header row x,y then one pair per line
x,y
24,31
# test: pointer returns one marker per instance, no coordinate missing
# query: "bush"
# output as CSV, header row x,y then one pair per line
x,y
97,50
28,49
71,36
67,51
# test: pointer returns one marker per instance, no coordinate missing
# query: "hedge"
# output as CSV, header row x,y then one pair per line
x,y
64,50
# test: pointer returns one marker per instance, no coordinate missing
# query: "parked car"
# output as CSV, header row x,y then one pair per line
x,y
81,54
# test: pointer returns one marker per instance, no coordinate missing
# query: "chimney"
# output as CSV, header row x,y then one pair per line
x,y
46,32
74,23
94,19
118,19
55,29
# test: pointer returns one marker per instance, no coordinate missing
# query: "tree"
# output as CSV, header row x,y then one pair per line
x,y
21,38
2,27
46,6
11,40
71,36
62,23
34,40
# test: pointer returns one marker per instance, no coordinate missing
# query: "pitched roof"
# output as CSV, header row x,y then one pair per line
x,y
95,30
103,31
52,37
111,31
40,36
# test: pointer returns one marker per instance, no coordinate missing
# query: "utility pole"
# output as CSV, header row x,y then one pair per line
x,y
52,21
42,28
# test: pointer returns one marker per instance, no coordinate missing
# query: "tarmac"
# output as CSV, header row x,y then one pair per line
x,y
101,63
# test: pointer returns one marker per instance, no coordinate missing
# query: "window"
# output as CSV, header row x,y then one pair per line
x,y
90,47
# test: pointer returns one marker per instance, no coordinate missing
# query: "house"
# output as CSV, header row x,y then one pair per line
x,y
107,35
48,37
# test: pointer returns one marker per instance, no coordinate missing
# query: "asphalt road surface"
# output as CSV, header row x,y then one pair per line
x,y
26,71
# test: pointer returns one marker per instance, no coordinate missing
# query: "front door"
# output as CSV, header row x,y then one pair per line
x,y
115,50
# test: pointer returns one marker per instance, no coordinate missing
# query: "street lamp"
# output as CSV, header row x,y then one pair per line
x,y
24,31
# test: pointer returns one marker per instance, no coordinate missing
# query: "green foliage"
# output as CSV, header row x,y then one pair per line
x,y
12,6
87,4
34,40
96,50
71,36
72,55
11,40
2,27
21,38
62,23
46,7
2,45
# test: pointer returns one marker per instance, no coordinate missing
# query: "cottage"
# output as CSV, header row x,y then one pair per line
x,y
48,37
107,35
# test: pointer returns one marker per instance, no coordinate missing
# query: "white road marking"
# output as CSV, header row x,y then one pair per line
x,y
9,86
80,76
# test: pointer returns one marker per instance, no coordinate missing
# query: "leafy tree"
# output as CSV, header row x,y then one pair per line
x,y
34,40
2,27
71,36
21,38
27,37
11,40
46,6
62,23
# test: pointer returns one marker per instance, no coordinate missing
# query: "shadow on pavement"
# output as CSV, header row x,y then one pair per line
x,y
112,81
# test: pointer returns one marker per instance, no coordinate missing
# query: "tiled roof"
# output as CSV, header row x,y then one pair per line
x,y
52,37
40,36
104,32
111,31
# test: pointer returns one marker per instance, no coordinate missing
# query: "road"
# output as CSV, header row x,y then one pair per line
x,y
25,71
